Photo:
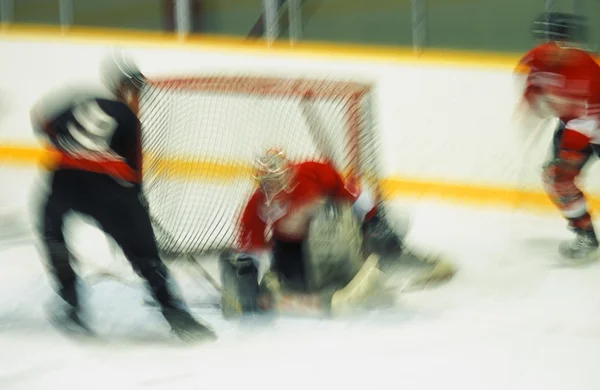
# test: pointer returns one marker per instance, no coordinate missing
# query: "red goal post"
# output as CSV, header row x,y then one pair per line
x,y
200,136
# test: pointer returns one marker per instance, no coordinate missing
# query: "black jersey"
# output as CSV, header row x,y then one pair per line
x,y
95,134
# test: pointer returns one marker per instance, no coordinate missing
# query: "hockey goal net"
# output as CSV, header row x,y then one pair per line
x,y
202,134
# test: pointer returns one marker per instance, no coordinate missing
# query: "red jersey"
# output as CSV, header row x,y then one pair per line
x,y
290,213
570,85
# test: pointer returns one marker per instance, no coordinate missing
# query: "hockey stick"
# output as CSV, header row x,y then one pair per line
x,y
205,273
191,258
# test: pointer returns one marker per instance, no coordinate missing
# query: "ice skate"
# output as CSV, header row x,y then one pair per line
x,y
583,249
186,327
70,320
66,315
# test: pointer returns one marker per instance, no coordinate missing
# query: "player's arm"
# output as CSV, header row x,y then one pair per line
x,y
531,82
524,75
49,108
361,199
43,119
525,63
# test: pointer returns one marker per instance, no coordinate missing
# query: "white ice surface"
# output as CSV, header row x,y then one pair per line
x,y
510,319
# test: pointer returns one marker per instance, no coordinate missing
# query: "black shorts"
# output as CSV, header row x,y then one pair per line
x,y
118,210
289,263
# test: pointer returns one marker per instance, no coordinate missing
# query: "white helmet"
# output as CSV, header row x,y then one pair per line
x,y
273,172
117,69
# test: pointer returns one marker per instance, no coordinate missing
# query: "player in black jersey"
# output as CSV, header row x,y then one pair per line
x,y
98,173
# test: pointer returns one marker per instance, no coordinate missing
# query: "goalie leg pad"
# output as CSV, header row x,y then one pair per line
x,y
415,270
368,284
239,281
333,248
441,270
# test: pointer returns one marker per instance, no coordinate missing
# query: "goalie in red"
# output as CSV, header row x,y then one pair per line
x,y
563,81
323,237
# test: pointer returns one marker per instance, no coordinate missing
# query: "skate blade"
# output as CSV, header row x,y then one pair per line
x,y
566,261
199,336
71,327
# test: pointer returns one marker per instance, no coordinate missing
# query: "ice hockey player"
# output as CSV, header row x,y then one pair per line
x,y
563,80
98,173
319,232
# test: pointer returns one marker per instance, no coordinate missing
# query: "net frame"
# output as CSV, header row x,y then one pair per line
x,y
363,152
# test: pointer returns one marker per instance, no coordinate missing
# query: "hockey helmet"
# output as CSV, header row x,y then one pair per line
x,y
560,27
117,69
273,173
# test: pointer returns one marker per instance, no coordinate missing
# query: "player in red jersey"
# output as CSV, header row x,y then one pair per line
x,y
326,240
317,224
563,81
289,199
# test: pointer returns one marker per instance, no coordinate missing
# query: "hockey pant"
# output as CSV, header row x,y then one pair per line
x,y
288,262
559,176
119,212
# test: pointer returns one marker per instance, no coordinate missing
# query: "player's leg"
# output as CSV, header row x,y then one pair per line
x,y
384,236
283,282
288,264
123,216
559,177
334,247
239,284
335,262
305,276
62,198
242,292
326,271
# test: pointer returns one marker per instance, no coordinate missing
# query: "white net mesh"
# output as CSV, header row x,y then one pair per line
x,y
201,135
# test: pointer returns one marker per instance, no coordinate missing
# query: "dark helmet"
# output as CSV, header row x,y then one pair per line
x,y
117,69
558,26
